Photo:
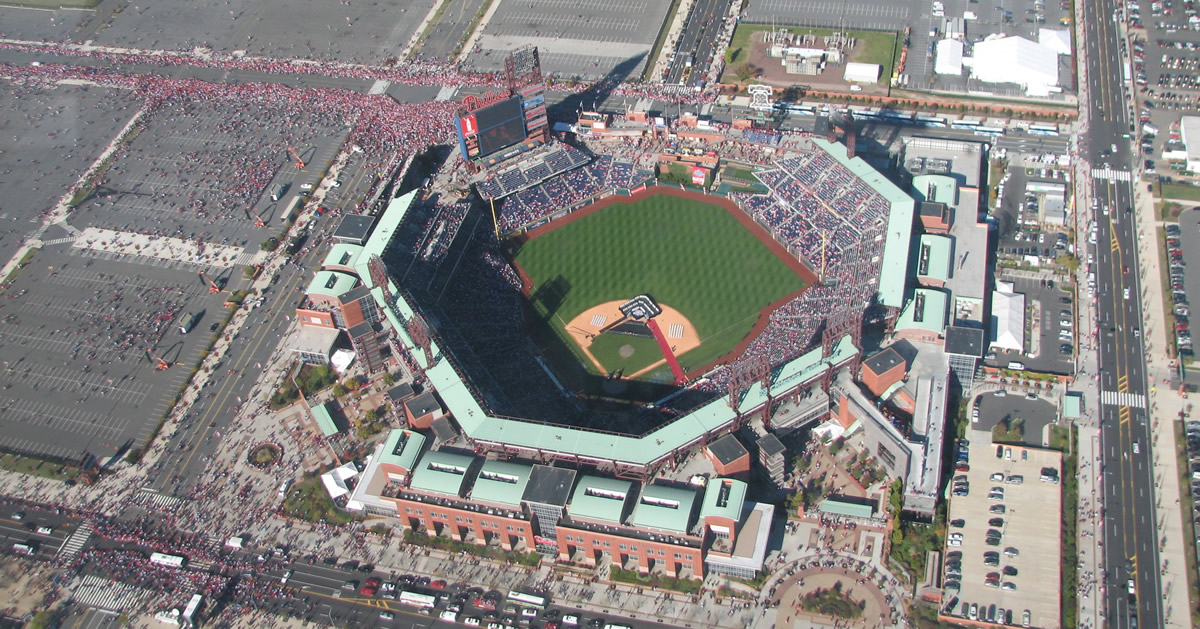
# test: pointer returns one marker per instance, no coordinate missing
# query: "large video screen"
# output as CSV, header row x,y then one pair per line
x,y
501,112
501,136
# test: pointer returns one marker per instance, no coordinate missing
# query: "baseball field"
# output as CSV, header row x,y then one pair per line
x,y
708,269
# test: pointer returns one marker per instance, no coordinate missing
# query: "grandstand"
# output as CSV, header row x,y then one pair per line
x,y
532,169
557,196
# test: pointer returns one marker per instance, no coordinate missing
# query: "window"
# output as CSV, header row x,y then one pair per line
x,y
595,542
607,545
621,546
469,521
633,549
408,509
458,518
678,556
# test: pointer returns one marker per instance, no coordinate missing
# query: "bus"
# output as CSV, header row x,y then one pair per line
x,y
991,132
171,561
964,124
931,121
414,599
1043,129
526,600
23,549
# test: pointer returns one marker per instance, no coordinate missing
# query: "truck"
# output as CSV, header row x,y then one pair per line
x,y
278,191
189,322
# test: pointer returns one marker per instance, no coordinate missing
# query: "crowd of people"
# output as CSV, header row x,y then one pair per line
x,y
568,190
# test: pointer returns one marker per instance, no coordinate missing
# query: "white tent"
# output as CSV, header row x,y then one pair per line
x,y
949,58
1016,60
1008,318
861,72
335,480
1058,41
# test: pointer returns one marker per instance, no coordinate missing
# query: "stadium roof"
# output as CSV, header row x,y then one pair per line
x,y
894,269
342,254
935,188
933,259
441,473
354,228
727,449
723,498
601,499
964,341
385,230
664,508
925,311
501,482
884,361
401,448
331,284
549,485
324,419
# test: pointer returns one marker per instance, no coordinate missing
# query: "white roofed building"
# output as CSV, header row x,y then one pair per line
x,y
1189,132
1008,318
949,58
1016,60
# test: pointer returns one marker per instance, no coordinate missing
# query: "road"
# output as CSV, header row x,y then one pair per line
x,y
1131,539
698,40
243,366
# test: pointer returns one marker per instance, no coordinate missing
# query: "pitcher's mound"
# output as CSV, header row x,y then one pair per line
x,y
626,351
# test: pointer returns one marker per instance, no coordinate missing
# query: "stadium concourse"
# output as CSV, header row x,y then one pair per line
x,y
833,212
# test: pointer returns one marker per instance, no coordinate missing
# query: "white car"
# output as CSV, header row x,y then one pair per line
x,y
1137,449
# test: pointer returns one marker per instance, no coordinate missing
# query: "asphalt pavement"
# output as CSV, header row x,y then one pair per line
x,y
1132,584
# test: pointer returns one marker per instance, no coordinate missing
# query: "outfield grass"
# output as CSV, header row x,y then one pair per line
x,y
692,256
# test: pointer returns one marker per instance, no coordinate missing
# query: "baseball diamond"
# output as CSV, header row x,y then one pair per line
x,y
695,254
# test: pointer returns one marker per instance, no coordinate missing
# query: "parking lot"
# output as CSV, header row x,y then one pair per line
x,y
1184,269
1002,558
346,31
61,131
88,322
1193,449
586,38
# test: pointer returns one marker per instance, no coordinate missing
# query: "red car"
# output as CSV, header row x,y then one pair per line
x,y
483,603
373,582
440,584
367,590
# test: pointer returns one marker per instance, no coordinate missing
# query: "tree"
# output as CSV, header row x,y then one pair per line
x,y
1069,261
42,620
389,379
339,390
743,72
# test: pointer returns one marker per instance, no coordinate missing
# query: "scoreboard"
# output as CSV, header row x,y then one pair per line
x,y
492,128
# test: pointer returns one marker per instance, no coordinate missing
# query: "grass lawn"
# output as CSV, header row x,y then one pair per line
x,y
642,352
692,256
308,501
1179,191
737,172
872,46
37,467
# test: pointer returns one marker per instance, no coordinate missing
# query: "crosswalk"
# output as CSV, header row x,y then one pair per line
x,y
75,542
109,595
1118,398
1108,173
58,241
150,497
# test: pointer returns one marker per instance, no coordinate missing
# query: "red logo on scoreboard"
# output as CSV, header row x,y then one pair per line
x,y
468,125
474,103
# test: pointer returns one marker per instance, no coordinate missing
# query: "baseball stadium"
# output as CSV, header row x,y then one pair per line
x,y
571,296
